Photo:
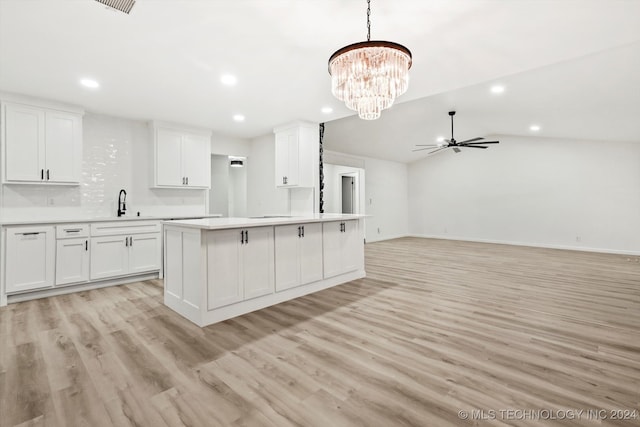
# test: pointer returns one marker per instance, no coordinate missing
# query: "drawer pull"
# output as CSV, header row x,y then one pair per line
x,y
73,230
31,234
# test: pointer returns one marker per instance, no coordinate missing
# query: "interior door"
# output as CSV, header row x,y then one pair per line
x,y
347,194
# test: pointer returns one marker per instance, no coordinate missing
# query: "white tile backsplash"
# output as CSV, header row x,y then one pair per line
x,y
116,154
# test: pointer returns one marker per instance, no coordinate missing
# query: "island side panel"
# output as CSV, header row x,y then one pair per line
x,y
185,272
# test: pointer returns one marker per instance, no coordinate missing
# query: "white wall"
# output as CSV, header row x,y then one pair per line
x,y
531,191
263,198
385,200
238,191
219,192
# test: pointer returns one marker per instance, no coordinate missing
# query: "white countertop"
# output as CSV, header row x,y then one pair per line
x,y
16,221
224,223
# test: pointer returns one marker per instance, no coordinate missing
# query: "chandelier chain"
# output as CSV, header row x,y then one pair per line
x,y
368,20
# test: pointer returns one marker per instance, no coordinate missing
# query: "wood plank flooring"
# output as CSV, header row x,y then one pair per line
x,y
437,327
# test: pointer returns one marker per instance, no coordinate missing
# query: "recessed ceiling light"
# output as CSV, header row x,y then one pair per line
x,y
440,139
228,79
327,110
238,117
90,83
497,89
534,128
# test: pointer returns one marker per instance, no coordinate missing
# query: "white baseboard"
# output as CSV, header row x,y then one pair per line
x,y
533,245
50,292
381,239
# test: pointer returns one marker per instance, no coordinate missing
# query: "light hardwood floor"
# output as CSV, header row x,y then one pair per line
x,y
436,327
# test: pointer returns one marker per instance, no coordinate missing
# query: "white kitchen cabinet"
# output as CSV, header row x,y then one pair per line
x,y
144,252
296,155
124,248
109,256
182,158
41,145
298,255
341,247
29,258
240,265
72,261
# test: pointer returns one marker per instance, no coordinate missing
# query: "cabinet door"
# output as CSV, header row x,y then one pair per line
x,y
168,158
144,252
24,154
287,158
287,256
30,258
109,256
63,147
224,284
257,262
351,253
72,261
196,160
311,253
332,248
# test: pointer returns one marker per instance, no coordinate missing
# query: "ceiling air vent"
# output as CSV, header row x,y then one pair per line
x,y
121,5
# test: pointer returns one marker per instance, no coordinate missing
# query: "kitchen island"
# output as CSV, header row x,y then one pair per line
x,y
219,268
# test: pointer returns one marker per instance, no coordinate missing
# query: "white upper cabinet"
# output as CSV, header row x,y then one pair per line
x,y
41,144
182,157
297,155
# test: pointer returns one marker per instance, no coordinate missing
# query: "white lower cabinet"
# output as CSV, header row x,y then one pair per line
x,y
298,255
109,256
113,256
240,265
341,248
29,258
72,261
144,252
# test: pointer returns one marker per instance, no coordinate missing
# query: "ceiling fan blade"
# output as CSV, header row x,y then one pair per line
x,y
422,149
481,143
439,149
427,145
456,149
474,146
470,140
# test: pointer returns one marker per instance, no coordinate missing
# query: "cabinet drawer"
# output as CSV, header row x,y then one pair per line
x,y
124,228
69,231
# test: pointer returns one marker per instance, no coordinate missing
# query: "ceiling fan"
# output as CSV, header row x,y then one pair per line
x,y
452,143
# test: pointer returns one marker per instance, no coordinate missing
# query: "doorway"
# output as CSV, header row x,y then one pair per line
x,y
348,194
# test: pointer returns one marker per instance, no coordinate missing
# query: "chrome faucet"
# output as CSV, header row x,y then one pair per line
x,y
122,207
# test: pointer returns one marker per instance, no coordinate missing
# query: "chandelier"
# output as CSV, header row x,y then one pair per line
x,y
369,76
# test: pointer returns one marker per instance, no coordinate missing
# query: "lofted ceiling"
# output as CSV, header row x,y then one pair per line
x,y
595,97
165,59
